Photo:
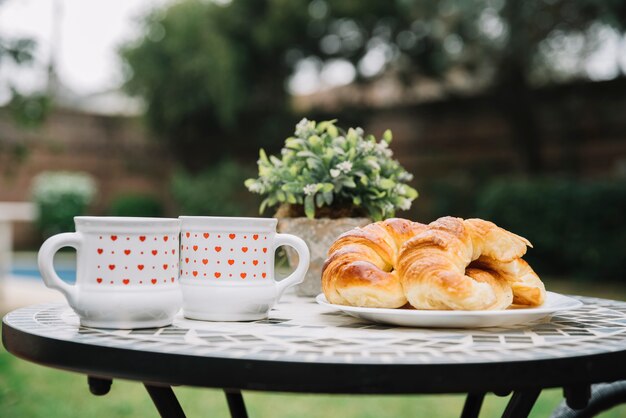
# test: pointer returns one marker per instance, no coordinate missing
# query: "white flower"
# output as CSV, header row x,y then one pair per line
x,y
303,128
405,204
255,188
365,146
344,166
359,131
383,148
405,176
388,207
309,189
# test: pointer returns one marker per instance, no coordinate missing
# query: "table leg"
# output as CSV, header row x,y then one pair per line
x,y
577,397
99,386
473,403
521,403
165,401
235,403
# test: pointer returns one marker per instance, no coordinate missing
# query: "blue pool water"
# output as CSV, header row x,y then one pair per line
x,y
28,272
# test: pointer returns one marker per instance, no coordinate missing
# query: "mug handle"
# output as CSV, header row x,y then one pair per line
x,y
303,261
45,260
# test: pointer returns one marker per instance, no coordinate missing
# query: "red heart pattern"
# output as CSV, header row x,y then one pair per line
x,y
196,252
135,254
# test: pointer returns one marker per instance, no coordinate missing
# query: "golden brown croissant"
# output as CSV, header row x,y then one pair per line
x,y
360,268
387,263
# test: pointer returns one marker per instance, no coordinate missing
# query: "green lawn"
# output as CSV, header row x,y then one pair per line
x,y
28,390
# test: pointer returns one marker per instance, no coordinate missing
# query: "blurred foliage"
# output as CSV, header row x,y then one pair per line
x,y
29,111
59,196
213,71
577,228
136,205
217,191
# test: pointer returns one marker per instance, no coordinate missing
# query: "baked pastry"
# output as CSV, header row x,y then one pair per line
x,y
432,267
360,269
450,264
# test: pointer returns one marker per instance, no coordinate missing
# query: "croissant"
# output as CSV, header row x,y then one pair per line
x,y
450,264
360,269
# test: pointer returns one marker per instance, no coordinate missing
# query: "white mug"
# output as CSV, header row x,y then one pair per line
x,y
126,271
227,267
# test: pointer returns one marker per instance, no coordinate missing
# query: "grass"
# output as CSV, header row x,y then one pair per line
x,y
29,390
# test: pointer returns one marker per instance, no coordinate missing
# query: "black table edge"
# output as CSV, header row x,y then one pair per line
x,y
301,377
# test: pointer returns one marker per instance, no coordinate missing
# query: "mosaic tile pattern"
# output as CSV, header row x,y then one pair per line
x,y
300,330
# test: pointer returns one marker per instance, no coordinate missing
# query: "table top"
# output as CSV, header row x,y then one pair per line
x,y
306,347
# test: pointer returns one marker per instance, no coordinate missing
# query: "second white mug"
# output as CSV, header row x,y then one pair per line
x,y
227,267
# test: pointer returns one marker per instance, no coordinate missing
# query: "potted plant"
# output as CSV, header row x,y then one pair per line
x,y
328,181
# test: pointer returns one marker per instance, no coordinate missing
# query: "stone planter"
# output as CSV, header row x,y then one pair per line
x,y
319,234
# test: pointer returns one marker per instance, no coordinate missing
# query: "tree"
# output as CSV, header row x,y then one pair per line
x,y
213,72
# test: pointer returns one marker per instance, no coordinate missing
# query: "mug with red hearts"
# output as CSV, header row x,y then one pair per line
x,y
227,267
126,271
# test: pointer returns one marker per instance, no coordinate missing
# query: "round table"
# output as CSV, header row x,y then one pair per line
x,y
305,347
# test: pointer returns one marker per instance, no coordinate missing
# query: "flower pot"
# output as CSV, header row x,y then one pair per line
x,y
319,234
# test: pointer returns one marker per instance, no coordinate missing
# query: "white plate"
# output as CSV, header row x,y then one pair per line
x,y
457,319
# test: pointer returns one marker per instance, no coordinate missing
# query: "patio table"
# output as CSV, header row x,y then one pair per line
x,y
305,347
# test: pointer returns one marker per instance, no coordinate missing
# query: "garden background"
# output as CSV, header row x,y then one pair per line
x,y
509,111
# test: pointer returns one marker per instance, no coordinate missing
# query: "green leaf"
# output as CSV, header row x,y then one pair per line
x,y
328,187
281,196
387,184
292,187
319,200
328,198
410,192
348,182
291,198
307,153
315,140
356,200
263,156
309,207
332,131
387,136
